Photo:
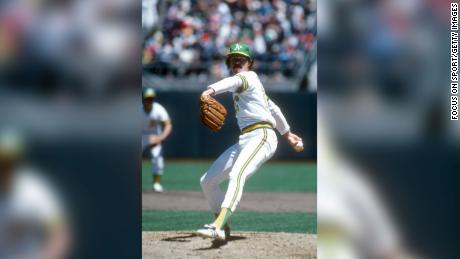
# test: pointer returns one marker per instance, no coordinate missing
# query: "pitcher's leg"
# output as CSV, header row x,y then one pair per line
x,y
217,173
252,155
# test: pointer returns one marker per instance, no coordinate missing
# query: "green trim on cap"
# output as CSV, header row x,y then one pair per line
x,y
240,53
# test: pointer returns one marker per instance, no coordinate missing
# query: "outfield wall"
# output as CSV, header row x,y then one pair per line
x,y
190,139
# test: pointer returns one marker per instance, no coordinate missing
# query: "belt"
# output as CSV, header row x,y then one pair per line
x,y
257,125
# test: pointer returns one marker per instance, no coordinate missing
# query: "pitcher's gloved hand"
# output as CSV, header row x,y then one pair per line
x,y
213,113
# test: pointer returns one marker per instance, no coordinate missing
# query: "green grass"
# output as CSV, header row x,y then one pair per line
x,y
294,222
271,177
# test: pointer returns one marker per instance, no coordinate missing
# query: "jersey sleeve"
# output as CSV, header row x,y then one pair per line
x,y
237,83
281,123
164,116
39,196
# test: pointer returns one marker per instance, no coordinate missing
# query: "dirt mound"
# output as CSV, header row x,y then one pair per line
x,y
182,244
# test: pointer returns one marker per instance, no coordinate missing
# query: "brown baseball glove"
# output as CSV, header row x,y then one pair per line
x,y
212,113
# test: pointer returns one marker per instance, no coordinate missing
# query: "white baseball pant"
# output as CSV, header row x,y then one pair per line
x,y
155,154
157,160
237,163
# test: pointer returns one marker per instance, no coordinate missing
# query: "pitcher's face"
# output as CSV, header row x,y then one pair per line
x,y
238,64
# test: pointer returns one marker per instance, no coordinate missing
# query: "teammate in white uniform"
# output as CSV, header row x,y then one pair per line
x,y
257,115
156,128
33,222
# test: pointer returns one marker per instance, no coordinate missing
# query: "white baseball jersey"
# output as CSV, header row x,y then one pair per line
x,y
32,205
154,121
252,105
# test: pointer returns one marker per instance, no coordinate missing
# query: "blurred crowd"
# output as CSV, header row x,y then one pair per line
x,y
69,47
190,37
383,118
66,65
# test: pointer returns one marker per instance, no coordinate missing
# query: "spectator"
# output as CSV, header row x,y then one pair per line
x,y
196,34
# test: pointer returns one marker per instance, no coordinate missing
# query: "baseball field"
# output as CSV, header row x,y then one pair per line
x,y
275,219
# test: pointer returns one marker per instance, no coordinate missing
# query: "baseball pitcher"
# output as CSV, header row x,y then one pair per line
x,y
257,118
156,128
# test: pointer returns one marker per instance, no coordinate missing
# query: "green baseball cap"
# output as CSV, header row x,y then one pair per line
x,y
241,49
148,93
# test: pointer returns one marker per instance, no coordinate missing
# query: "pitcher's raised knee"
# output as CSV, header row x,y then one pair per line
x,y
205,181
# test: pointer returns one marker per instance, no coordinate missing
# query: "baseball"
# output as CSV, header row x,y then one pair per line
x,y
299,146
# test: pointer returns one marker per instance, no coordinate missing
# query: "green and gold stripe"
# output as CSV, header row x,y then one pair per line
x,y
222,218
264,139
245,85
256,126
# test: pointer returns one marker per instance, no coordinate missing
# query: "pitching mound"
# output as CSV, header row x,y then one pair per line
x,y
184,244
